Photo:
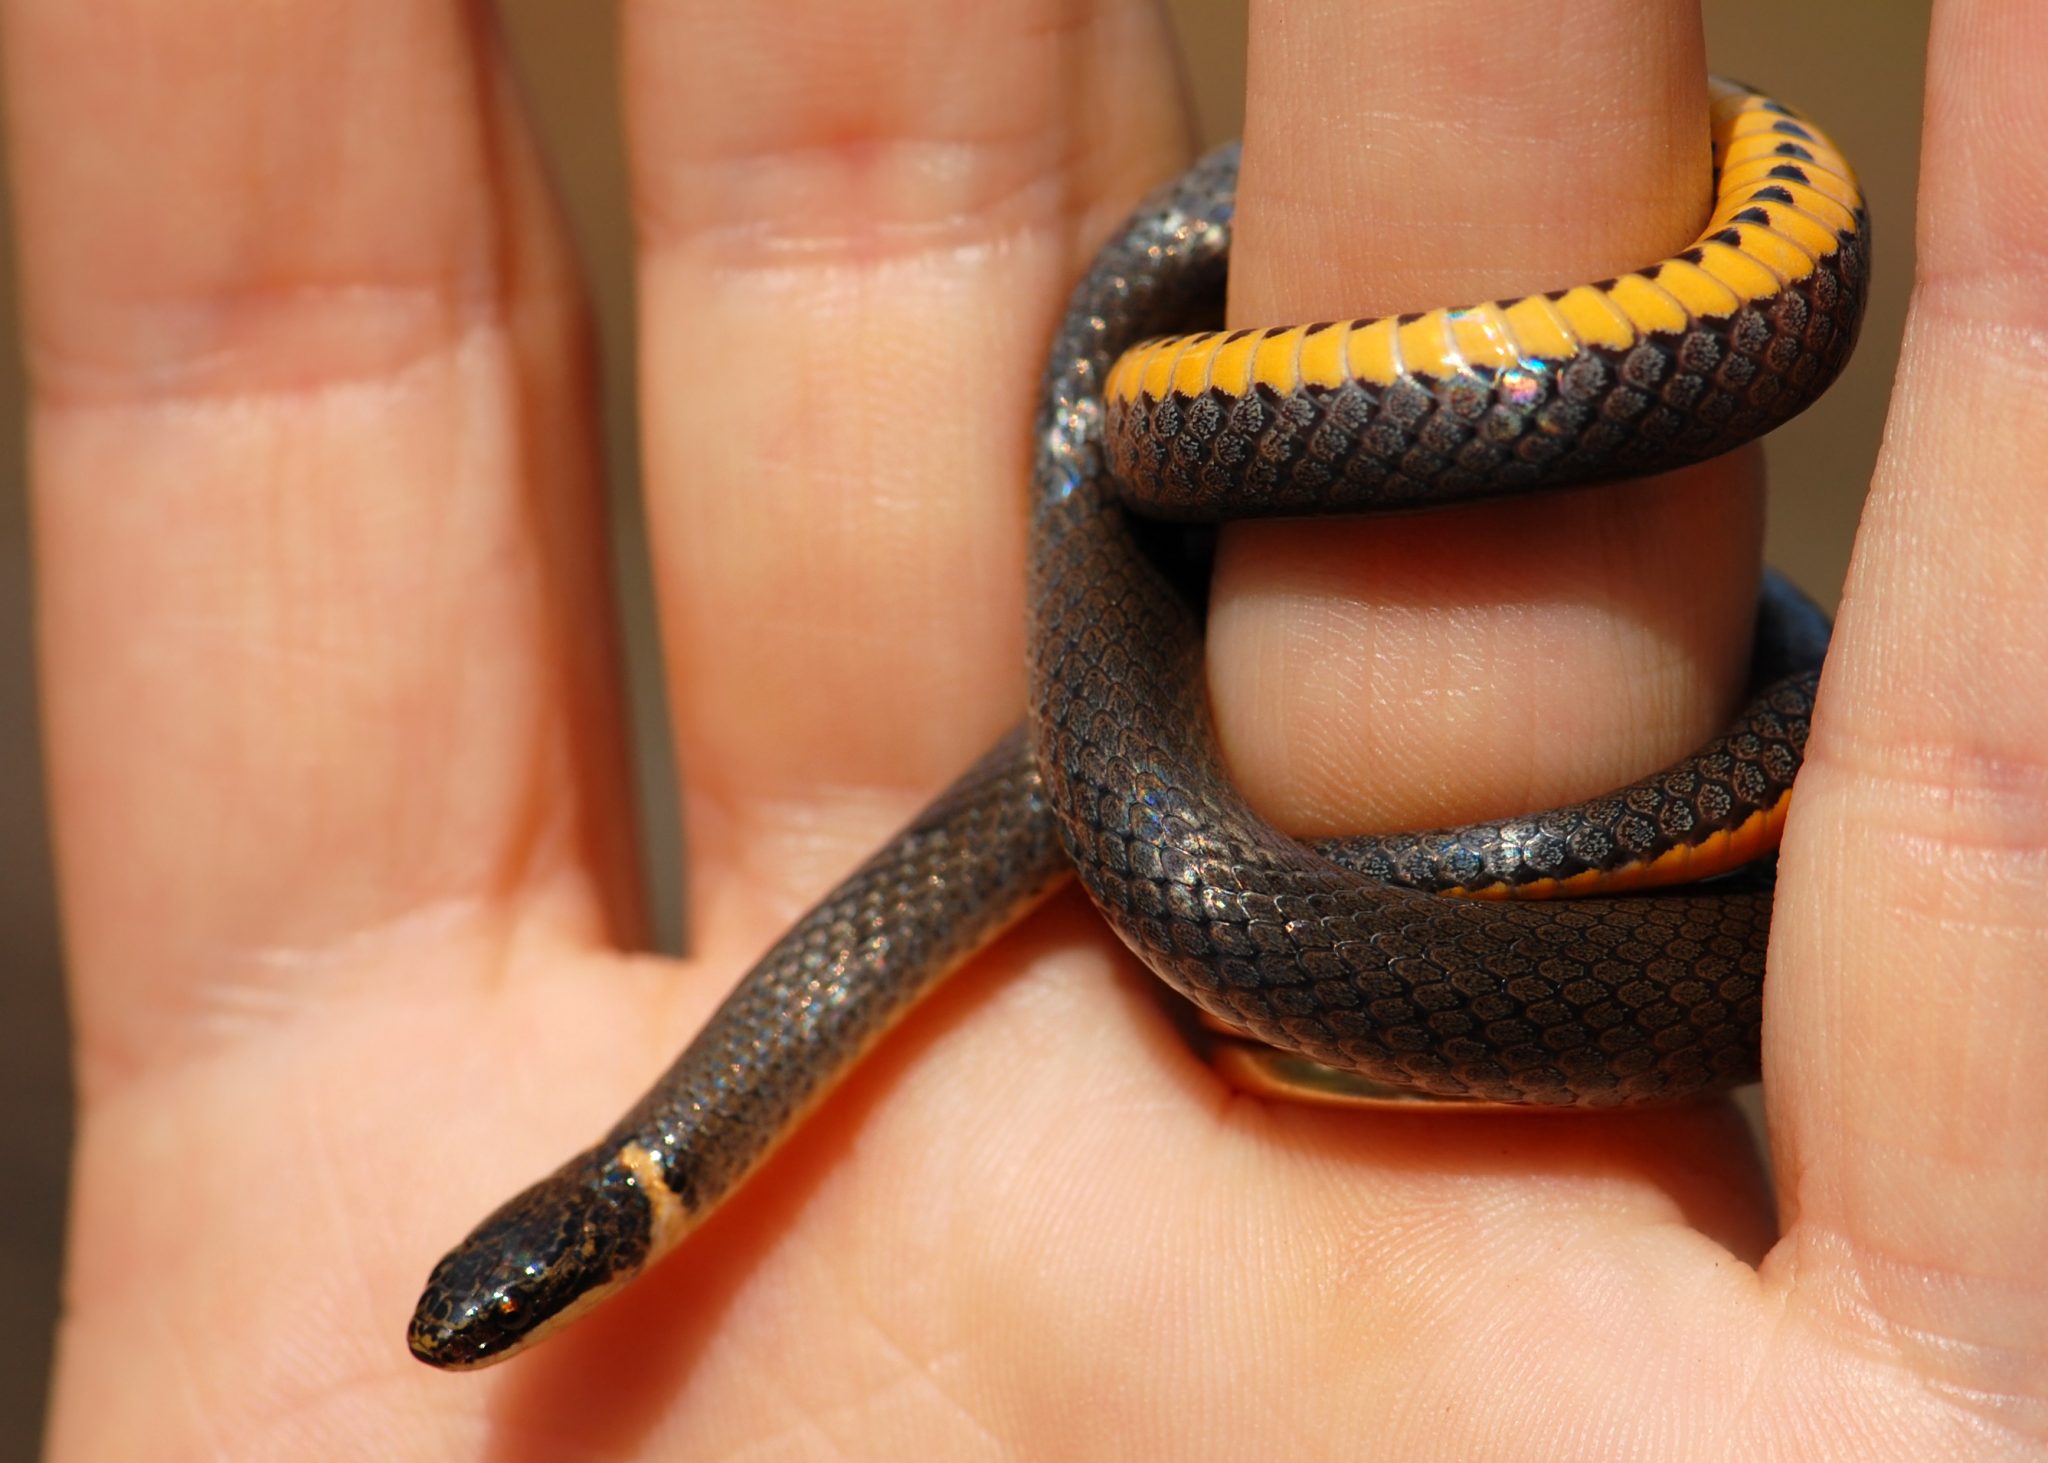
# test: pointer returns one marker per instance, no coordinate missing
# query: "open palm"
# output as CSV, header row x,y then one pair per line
x,y
343,820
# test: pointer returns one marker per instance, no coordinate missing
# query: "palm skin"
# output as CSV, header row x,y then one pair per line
x,y
342,823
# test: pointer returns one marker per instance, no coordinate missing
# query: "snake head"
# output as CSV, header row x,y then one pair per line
x,y
540,1259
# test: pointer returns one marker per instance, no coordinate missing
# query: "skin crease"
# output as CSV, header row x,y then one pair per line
x,y
341,825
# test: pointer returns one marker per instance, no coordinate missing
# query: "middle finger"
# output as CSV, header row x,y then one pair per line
x,y
1405,672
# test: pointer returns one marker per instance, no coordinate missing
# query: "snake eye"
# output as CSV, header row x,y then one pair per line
x,y
529,1264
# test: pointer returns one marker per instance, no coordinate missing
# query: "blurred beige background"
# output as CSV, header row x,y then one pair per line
x,y
1855,64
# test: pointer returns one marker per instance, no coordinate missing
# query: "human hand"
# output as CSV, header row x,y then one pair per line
x,y
342,820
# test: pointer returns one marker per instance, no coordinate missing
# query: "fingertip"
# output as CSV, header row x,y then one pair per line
x,y
1984,176
1422,154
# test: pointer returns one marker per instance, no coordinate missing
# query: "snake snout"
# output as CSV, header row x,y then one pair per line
x,y
538,1260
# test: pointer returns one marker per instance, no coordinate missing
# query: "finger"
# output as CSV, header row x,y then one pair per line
x,y
857,224
1387,673
325,657
1907,1020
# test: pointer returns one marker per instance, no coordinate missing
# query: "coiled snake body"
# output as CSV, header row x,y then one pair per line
x,y
1336,957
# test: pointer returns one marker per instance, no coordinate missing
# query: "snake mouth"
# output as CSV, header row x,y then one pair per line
x,y
533,1265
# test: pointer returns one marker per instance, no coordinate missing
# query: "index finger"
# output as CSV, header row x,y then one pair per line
x,y
857,222
1907,1016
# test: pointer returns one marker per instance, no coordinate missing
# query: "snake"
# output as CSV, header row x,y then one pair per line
x,y
1434,965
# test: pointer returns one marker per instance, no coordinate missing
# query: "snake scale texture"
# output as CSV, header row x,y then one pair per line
x,y
1343,955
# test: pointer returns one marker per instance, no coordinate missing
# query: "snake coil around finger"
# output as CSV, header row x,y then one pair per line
x,y
1438,963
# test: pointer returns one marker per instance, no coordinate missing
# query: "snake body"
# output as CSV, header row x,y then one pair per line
x,y
1342,955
